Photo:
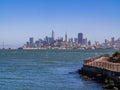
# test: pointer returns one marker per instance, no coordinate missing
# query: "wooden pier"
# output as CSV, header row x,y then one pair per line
x,y
102,63
103,71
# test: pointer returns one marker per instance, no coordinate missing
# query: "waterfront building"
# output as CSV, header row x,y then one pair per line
x,y
80,38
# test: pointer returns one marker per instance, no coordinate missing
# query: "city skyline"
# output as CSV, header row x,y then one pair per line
x,y
21,19
62,43
66,38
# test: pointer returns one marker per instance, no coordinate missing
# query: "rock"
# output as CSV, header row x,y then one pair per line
x,y
107,86
106,81
85,77
99,75
115,88
71,72
79,71
93,78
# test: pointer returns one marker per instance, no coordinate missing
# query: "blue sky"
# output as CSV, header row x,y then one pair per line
x,y
21,19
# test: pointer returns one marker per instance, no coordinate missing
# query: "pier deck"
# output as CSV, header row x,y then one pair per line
x,y
101,62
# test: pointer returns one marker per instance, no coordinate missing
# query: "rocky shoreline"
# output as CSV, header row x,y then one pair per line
x,y
109,79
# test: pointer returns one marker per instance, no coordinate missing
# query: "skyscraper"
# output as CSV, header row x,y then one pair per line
x,y
27,44
106,41
31,40
84,41
89,42
66,37
112,40
53,35
80,38
76,40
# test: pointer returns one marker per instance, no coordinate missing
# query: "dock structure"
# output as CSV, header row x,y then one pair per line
x,y
101,70
102,63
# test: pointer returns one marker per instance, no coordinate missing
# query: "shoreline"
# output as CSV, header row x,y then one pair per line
x,y
53,49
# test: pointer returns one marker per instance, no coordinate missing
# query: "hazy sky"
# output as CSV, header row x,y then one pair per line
x,y
21,19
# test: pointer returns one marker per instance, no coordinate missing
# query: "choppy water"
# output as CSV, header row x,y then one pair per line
x,y
45,69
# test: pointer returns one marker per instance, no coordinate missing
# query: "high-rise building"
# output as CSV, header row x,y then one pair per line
x,y
46,39
38,43
89,42
112,40
106,41
31,40
76,40
66,37
53,35
80,38
27,44
84,41
70,40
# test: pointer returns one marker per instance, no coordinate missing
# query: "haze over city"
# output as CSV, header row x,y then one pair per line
x,y
21,19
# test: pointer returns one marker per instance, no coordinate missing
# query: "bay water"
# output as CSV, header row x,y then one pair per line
x,y
45,69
